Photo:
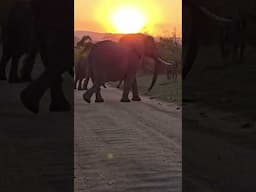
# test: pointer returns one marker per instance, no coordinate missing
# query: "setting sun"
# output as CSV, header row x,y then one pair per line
x,y
154,17
128,20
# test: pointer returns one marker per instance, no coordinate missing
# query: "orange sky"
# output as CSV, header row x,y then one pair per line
x,y
162,16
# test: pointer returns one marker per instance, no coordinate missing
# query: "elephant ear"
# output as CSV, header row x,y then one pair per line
x,y
135,43
138,47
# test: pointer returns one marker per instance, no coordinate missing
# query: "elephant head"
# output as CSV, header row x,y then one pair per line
x,y
144,46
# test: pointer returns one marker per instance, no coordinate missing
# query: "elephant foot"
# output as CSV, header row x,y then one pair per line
x,y
86,98
28,101
59,106
99,100
136,99
124,100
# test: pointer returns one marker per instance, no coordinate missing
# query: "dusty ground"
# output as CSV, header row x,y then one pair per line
x,y
127,146
219,126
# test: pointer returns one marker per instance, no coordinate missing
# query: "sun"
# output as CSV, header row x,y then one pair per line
x,y
128,20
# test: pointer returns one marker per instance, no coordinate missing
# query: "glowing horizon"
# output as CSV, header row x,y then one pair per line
x,y
128,20
129,16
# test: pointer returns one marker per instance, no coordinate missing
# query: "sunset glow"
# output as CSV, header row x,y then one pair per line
x,y
156,17
128,20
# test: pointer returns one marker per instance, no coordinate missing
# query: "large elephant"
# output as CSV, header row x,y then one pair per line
x,y
195,34
55,36
114,61
19,38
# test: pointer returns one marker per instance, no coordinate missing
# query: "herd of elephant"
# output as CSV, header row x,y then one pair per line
x,y
81,76
31,29
117,61
36,27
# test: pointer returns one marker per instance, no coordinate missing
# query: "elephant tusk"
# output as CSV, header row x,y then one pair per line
x,y
216,17
164,62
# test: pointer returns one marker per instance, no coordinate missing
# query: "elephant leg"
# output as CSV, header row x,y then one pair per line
x,y
80,84
32,94
88,94
119,84
55,47
5,58
135,91
128,82
99,98
27,67
58,100
13,77
85,86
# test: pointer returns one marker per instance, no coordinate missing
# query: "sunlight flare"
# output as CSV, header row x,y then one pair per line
x,y
128,20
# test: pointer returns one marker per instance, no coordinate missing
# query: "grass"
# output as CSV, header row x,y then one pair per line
x,y
166,90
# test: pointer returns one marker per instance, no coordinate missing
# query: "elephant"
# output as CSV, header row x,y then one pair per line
x,y
115,61
55,38
19,38
81,73
195,34
82,42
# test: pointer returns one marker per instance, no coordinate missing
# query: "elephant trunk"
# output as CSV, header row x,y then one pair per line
x,y
156,69
158,61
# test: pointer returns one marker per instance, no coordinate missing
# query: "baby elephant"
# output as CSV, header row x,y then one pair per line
x,y
81,73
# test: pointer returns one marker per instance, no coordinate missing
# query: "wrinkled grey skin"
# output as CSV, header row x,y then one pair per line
x,y
19,39
111,61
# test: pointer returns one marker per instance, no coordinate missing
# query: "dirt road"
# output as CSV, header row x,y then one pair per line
x,y
127,146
